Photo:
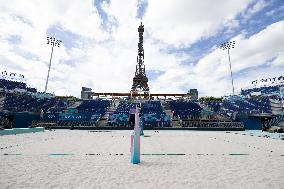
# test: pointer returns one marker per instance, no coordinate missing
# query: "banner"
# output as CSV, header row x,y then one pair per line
x,y
70,117
51,116
73,117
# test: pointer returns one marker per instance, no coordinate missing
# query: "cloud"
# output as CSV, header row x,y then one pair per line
x,y
250,59
275,12
185,22
99,46
258,6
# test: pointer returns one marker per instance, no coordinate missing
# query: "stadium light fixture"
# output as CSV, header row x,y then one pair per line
x,y
227,46
54,43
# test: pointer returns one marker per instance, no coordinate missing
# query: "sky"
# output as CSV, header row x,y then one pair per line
x,y
181,43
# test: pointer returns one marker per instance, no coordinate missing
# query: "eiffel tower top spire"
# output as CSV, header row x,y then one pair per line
x,y
140,57
140,80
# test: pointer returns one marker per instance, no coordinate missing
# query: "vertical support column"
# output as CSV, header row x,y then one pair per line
x,y
45,88
281,90
135,140
232,80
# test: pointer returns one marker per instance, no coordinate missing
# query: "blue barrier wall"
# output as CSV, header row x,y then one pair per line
x,y
24,120
250,122
21,131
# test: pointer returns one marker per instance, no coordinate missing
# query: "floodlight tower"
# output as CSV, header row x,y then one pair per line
x,y
227,46
54,43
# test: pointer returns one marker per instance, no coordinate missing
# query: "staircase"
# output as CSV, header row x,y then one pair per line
x,y
215,115
277,121
103,120
167,110
220,117
75,105
276,107
2,102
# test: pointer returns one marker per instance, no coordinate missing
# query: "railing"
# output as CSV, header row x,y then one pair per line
x,y
211,124
69,124
274,121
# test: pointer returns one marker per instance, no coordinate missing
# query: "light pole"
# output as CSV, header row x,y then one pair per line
x,y
227,46
53,42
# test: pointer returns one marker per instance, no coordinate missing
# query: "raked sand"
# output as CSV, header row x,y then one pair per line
x,y
179,159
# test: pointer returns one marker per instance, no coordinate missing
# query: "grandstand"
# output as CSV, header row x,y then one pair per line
x,y
9,85
266,106
29,103
151,114
83,113
19,102
248,105
236,112
185,109
121,115
264,90
23,106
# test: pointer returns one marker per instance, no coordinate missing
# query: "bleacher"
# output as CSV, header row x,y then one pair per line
x,y
16,96
254,105
87,114
265,90
152,115
12,85
251,105
94,106
28,103
214,106
185,109
121,115
31,90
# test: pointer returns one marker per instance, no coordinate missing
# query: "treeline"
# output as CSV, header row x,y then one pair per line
x,y
211,99
66,97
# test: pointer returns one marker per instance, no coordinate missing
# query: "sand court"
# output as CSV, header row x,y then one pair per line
x,y
169,159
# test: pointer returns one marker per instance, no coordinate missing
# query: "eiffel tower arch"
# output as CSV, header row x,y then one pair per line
x,y
140,80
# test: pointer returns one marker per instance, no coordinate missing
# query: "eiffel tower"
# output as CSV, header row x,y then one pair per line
x,y
140,80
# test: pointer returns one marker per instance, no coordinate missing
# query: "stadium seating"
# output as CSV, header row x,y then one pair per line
x,y
151,114
15,96
94,106
13,85
185,109
214,106
262,90
249,106
28,103
31,90
121,115
10,85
